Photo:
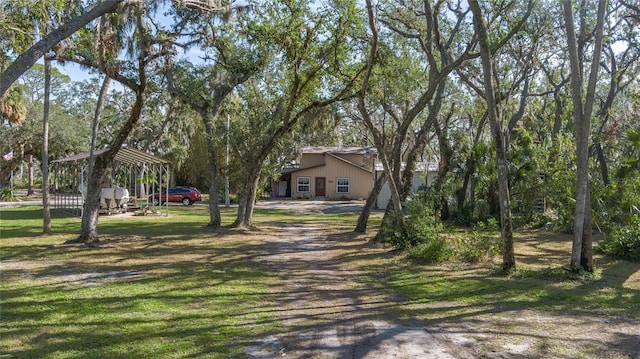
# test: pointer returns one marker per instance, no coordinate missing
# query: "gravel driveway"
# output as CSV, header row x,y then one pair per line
x,y
330,310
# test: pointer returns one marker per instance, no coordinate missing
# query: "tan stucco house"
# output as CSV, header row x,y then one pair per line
x,y
330,173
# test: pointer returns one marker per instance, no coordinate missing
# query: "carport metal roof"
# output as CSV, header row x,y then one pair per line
x,y
125,155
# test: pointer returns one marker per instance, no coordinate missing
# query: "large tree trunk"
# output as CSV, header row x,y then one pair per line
x,y
248,200
363,218
215,219
508,255
250,188
241,216
29,57
582,118
91,209
46,210
581,144
96,121
586,252
248,194
378,140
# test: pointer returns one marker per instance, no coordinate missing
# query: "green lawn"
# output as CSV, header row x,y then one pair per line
x,y
168,287
156,287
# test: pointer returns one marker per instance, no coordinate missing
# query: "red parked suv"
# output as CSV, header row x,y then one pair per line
x,y
186,195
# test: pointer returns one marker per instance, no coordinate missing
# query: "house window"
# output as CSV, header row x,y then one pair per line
x,y
304,184
342,185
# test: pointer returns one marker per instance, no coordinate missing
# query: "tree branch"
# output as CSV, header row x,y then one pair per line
x,y
29,57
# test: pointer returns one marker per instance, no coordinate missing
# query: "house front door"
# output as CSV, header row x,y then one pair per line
x,y
320,187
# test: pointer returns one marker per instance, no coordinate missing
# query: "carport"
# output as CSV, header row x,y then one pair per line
x,y
139,172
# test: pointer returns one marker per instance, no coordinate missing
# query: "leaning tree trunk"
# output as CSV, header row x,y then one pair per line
x,y
46,210
96,121
363,218
377,137
35,52
248,194
91,209
508,255
602,160
89,229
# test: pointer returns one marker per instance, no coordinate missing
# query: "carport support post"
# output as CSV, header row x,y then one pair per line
x,y
166,203
226,168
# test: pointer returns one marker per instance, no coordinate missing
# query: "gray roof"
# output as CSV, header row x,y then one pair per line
x,y
340,150
420,167
125,155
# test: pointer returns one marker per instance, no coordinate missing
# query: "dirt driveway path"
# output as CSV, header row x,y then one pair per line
x,y
330,310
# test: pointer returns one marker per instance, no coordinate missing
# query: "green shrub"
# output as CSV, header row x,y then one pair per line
x,y
420,223
465,215
434,251
623,240
424,243
476,246
557,274
7,194
491,225
467,251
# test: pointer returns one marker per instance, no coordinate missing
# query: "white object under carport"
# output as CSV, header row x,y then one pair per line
x,y
138,173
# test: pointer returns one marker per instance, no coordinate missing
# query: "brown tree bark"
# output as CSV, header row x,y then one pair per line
x,y
581,253
30,191
248,199
46,203
208,117
91,208
29,57
508,255
208,109
96,121
363,218
377,137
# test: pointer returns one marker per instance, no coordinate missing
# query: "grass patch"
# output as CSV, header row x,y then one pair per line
x,y
156,287
169,287
541,283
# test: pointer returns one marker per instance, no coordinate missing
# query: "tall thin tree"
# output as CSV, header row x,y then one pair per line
x,y
582,253
46,210
508,255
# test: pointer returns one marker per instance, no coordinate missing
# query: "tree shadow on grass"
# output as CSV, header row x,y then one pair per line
x,y
458,295
150,297
162,288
